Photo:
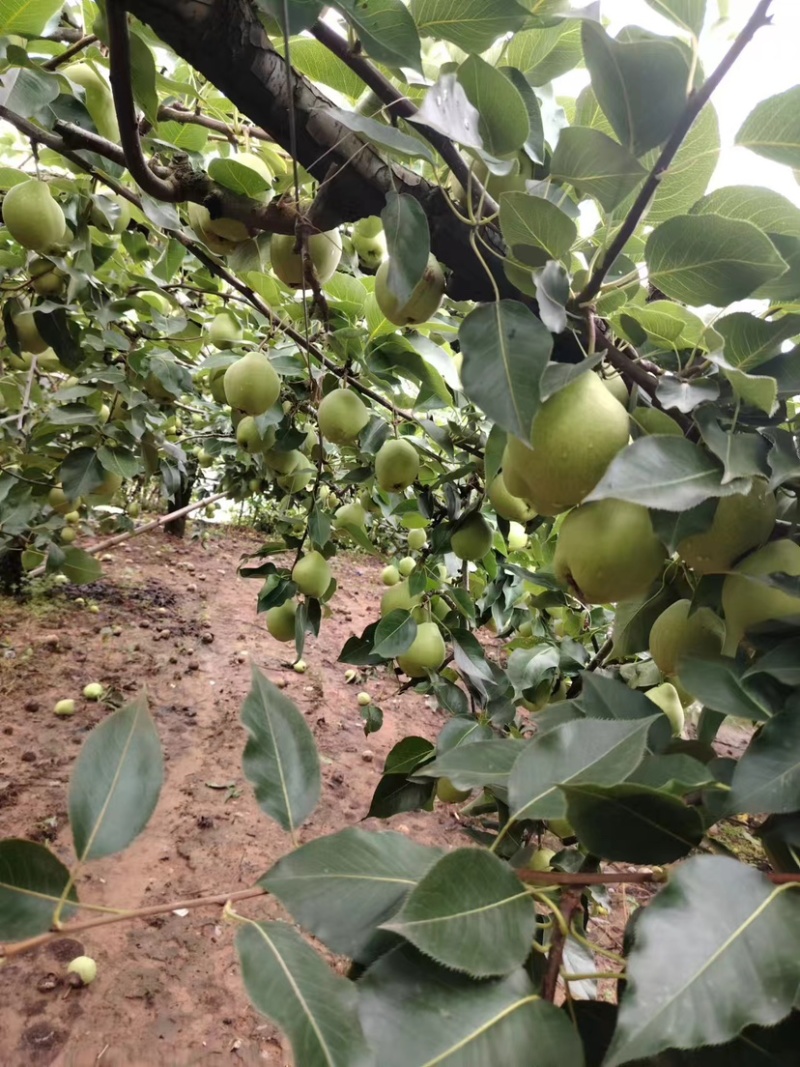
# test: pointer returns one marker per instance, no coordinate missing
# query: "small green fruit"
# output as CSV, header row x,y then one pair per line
x,y
68,535
30,340
396,465
748,602
541,860
312,575
390,575
472,538
300,667
517,538
508,506
280,621
84,967
448,794
427,651
406,566
398,598
250,440
224,330
65,708
741,523
364,699
352,514
676,634
93,691
324,250
342,415
417,540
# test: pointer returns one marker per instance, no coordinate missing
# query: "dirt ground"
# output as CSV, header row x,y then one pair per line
x,y
168,990
175,620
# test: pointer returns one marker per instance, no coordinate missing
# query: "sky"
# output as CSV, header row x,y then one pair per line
x,y
769,65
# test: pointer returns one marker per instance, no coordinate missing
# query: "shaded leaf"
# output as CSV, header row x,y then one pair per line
x,y
720,684
79,566
395,634
688,14
535,229
772,129
767,777
408,241
552,293
116,782
477,764
379,133
32,881
385,29
504,125
596,166
472,25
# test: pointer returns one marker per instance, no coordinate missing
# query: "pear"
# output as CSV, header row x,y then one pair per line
x,y
472,538
284,462
33,217
46,278
576,434
99,101
398,598
221,235
390,575
298,478
352,514
665,696
280,620
747,602
427,651
342,416
312,575
506,505
406,566
224,330
109,485
607,551
424,300
216,385
250,440
741,523
251,384
615,383
30,340
676,634
448,794
324,249
417,540
369,242
396,465
517,538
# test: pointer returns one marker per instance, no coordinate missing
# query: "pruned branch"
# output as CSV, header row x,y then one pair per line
x,y
695,104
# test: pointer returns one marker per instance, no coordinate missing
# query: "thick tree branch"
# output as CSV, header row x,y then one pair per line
x,y
697,101
401,107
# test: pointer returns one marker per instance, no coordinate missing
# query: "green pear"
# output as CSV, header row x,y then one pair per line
x,y
120,209
284,462
99,101
448,794
390,575
224,331
472,538
406,566
30,340
748,602
46,278
741,523
251,384
33,217
352,514
110,484
417,540
665,696
369,242
280,620
576,434
615,383
396,465
427,651
607,551
517,538
506,505
676,634
398,598
222,236
423,302
324,250
216,385
312,575
295,480
250,440
342,415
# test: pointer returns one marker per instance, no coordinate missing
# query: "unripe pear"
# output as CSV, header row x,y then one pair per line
x,y
109,485
201,222
59,501
396,465
665,696
448,794
284,462
251,384
342,416
676,634
541,859
440,607
93,691
224,330
216,385
351,514
427,651
417,540
364,700
741,523
473,537
250,440
390,575
298,478
84,967
46,278
64,708
424,300
122,219
312,575
406,566
508,506
748,602
73,517
517,538
398,598
576,434
280,620
607,551
33,217
30,340
99,101
495,184
615,384
369,242
324,250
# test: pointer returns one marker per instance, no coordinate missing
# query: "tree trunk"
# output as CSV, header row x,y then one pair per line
x,y
177,527
12,573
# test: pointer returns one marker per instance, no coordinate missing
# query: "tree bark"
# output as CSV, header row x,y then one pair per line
x,y
177,527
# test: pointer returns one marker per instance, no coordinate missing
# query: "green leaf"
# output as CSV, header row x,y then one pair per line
x,y
385,29
143,78
706,259
447,108
767,777
302,14
395,634
766,209
632,823
469,912
689,173
62,334
545,53
586,750
750,340
402,144
80,567
781,663
280,758
183,135
772,129
504,125
721,685
341,887
535,229
688,14
32,882
26,91
319,64
534,142
116,782
471,25
715,921
289,983
552,293
663,471
506,349
416,1014
26,16
237,177
478,764
595,165
408,241
640,85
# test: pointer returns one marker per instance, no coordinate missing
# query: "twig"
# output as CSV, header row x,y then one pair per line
x,y
68,53
695,104
650,877
600,655
196,118
69,929
569,904
402,107
28,386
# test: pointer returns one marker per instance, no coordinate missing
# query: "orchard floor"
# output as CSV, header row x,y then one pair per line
x,y
168,990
